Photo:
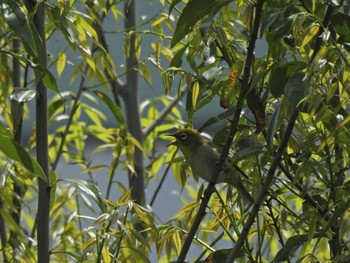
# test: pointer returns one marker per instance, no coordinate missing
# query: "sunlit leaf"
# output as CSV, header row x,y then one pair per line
x,y
23,94
195,94
310,33
272,128
105,255
212,73
145,73
91,189
61,62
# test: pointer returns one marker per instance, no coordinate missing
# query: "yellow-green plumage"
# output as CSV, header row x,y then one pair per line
x,y
202,157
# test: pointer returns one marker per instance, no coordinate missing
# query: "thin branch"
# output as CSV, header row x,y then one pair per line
x,y
217,239
233,129
268,181
161,181
70,120
164,113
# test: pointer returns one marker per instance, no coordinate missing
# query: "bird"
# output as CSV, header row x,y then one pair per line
x,y
202,156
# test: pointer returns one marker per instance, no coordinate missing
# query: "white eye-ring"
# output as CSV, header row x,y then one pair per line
x,y
183,136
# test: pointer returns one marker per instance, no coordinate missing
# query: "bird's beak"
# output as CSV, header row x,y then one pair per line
x,y
171,135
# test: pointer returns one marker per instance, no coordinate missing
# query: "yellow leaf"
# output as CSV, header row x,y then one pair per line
x,y
105,255
177,241
61,62
88,244
310,33
195,93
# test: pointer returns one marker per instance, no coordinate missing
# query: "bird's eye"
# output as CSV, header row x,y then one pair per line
x,y
183,136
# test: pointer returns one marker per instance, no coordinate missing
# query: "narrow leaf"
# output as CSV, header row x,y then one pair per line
x,y
177,58
192,13
61,62
280,75
195,94
219,120
114,108
173,4
291,245
272,127
91,189
17,153
295,89
18,22
48,79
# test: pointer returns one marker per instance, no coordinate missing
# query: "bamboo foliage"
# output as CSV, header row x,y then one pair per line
x,y
269,80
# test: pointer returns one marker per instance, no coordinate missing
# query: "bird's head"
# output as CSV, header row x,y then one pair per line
x,y
187,140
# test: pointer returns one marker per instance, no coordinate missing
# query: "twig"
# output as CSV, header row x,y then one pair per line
x,y
219,237
233,129
269,179
70,120
161,181
164,113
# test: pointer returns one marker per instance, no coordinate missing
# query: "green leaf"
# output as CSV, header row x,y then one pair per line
x,y
145,73
48,79
16,113
177,59
23,94
90,189
4,131
173,4
219,120
115,109
18,22
334,219
192,13
272,127
280,75
309,34
212,73
20,58
295,89
246,148
73,255
291,245
219,256
17,153
54,107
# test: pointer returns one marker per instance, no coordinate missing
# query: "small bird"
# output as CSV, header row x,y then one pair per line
x,y
202,157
